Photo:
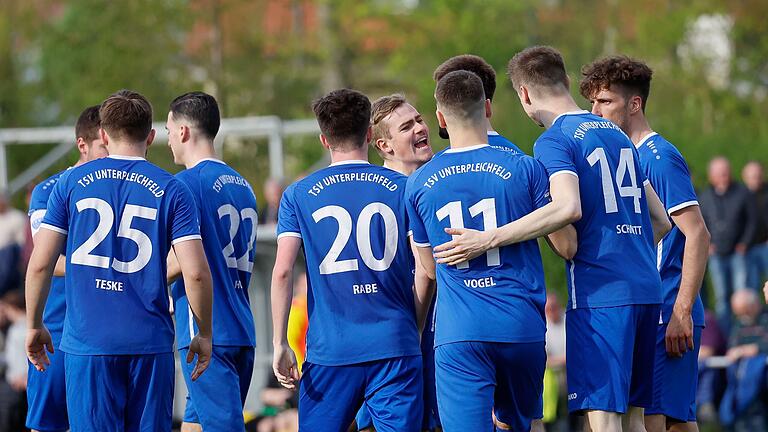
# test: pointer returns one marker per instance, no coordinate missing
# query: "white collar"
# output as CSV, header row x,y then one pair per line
x,y
645,138
493,133
570,113
350,162
122,157
465,149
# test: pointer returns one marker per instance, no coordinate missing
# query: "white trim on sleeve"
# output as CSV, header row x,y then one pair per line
x,y
646,182
289,234
186,238
682,206
573,173
54,228
422,245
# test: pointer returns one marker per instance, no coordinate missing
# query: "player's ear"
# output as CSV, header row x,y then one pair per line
x,y
104,137
324,142
635,104
488,110
82,146
185,133
369,134
383,146
150,137
440,119
524,96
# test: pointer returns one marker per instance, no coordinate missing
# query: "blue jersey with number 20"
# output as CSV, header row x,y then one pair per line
x,y
615,263
120,215
352,221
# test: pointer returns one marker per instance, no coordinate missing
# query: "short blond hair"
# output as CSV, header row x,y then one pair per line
x,y
381,108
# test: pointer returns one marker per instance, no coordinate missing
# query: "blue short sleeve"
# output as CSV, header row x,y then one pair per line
x,y
539,185
415,224
184,225
556,157
671,179
287,219
57,215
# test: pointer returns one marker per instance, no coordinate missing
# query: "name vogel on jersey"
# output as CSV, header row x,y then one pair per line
x,y
481,167
114,174
350,177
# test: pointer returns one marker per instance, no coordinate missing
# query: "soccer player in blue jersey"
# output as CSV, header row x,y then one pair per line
x,y
362,340
489,335
226,207
401,137
597,184
46,393
618,89
482,69
119,216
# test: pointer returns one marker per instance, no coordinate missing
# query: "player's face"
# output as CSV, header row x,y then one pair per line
x,y
174,138
97,149
613,106
410,135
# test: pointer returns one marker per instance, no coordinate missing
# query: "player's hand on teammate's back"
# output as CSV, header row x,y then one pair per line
x,y
202,347
285,367
466,244
38,345
679,336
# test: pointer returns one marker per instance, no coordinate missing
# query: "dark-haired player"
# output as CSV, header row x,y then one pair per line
x,y
46,393
119,216
226,207
482,69
618,89
362,339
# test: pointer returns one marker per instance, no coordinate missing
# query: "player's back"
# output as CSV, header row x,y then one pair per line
x,y
55,306
615,263
498,296
351,217
499,142
228,221
668,173
122,215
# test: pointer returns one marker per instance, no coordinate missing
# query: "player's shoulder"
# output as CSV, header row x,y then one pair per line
x,y
46,186
654,149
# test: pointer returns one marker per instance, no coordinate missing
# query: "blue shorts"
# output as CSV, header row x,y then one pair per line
x,y
431,418
111,393
391,389
611,355
47,396
477,378
215,400
675,380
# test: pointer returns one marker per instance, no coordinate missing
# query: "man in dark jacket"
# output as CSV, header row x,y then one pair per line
x,y
730,217
757,255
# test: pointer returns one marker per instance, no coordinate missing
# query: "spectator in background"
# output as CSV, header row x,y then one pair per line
x,y
13,229
711,380
757,255
273,191
13,396
749,331
730,217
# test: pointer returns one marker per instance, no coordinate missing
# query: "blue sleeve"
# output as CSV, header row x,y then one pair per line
x,y
539,184
193,183
671,180
184,222
556,156
287,218
38,200
415,224
57,214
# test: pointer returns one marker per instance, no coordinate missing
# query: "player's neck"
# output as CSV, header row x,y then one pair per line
x,y
555,107
403,168
639,129
199,151
467,137
357,154
128,149
489,126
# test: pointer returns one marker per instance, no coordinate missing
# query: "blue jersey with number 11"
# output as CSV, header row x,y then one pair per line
x,y
351,218
121,215
226,208
615,263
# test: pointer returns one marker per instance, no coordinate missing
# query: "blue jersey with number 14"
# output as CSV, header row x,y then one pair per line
x,y
351,218
120,215
615,263
226,208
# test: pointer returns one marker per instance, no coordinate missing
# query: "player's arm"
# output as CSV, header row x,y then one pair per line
x,y
659,219
564,242
679,336
35,219
423,286
48,244
564,209
284,361
199,290
174,269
